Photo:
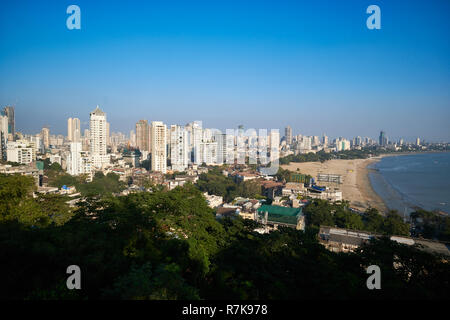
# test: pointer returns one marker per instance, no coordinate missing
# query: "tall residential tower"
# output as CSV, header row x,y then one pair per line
x,y
98,138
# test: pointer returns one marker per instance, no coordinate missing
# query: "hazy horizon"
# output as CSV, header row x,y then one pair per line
x,y
267,64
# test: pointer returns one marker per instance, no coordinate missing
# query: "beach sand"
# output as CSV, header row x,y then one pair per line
x,y
356,185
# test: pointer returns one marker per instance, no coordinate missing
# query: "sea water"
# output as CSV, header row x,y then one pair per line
x,y
407,182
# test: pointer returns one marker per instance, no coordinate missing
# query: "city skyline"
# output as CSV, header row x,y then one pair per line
x,y
315,67
294,133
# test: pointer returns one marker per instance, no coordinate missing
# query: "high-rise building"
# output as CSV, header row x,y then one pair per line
x,y
315,141
158,146
325,140
418,141
78,161
73,130
98,137
288,135
9,112
45,136
221,139
383,140
69,129
142,135
108,142
195,139
3,136
274,144
179,148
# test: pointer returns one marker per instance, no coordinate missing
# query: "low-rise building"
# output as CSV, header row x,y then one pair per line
x,y
274,216
345,240
20,151
213,200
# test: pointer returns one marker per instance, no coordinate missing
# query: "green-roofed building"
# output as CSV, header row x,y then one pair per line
x,y
281,216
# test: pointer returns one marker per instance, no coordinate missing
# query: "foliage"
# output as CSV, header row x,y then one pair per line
x,y
324,156
431,225
168,245
321,212
214,182
17,204
100,184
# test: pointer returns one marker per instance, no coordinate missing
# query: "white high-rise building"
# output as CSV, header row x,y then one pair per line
x,y
221,139
108,141
274,144
195,138
3,136
325,140
158,146
179,148
73,130
208,152
98,138
78,161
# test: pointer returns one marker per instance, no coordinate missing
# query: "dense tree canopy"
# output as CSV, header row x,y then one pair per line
x,y
214,182
100,184
431,225
322,212
168,245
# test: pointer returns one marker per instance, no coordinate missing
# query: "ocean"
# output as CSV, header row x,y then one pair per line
x,y
406,182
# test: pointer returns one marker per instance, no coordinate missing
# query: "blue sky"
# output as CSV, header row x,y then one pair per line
x,y
265,64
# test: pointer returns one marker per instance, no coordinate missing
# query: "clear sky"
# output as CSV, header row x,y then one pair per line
x,y
312,65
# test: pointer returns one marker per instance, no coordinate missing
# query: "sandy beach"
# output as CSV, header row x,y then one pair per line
x,y
356,185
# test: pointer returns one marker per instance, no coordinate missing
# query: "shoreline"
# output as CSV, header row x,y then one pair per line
x,y
357,186
372,198
398,197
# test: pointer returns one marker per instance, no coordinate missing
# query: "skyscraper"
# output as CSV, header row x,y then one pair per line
x,y
3,136
9,112
325,140
383,139
288,135
195,139
45,136
143,135
274,144
73,130
179,148
97,131
78,162
108,142
158,146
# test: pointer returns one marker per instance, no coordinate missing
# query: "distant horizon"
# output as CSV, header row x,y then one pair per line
x,y
265,65
85,125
